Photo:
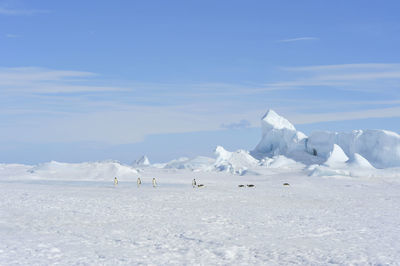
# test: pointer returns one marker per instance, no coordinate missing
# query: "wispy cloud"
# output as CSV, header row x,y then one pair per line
x,y
79,105
358,77
237,125
364,66
41,80
21,12
300,39
12,36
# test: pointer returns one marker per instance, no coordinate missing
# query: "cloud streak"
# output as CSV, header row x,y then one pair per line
x,y
355,77
300,39
21,12
238,125
42,80
12,36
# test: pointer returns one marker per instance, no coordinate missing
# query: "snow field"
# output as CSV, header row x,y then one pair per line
x,y
314,221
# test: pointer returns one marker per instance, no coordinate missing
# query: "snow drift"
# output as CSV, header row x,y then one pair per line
x,y
105,170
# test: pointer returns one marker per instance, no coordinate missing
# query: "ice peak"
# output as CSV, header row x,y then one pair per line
x,y
336,157
273,120
142,161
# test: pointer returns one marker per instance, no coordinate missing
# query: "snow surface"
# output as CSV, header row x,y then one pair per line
x,y
314,221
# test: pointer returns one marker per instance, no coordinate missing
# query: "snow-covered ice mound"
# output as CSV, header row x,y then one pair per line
x,y
199,163
359,162
14,171
105,170
337,157
237,162
281,161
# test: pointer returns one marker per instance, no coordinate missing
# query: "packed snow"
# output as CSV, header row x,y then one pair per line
x,y
330,198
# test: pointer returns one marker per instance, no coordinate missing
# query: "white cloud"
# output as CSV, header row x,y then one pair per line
x,y
12,36
166,108
343,67
41,80
132,124
358,77
299,39
20,12
237,125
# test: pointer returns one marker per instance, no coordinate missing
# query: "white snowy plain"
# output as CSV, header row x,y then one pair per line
x,y
314,221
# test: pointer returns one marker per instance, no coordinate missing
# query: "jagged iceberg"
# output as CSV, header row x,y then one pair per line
x,y
279,137
380,148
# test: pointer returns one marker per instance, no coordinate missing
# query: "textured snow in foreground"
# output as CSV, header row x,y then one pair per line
x,y
314,221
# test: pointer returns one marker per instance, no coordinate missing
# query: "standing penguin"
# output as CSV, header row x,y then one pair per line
x,y
115,181
154,182
194,183
139,182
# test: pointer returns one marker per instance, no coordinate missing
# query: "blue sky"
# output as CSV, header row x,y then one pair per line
x,y
94,80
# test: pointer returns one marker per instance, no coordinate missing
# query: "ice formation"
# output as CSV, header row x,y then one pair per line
x,y
322,153
359,162
142,161
279,137
337,157
237,162
356,153
380,148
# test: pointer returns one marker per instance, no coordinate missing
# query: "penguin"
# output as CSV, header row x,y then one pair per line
x,y
139,182
194,183
154,182
115,181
